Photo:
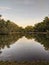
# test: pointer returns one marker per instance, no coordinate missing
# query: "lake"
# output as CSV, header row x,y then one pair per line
x,y
24,47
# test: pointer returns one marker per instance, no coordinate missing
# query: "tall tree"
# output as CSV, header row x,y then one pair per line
x,y
0,16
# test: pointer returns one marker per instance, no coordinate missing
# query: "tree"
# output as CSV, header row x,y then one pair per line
x,y
0,16
29,29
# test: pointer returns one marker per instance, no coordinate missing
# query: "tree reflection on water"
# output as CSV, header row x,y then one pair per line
x,y
7,40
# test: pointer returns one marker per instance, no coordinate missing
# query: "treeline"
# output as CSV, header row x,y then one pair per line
x,y
43,26
39,27
8,27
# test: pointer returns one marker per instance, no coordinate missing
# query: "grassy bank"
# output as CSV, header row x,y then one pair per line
x,y
24,63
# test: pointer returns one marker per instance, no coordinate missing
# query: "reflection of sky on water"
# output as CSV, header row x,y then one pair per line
x,y
25,49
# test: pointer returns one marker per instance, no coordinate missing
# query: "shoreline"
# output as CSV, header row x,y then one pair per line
x,y
24,33
24,63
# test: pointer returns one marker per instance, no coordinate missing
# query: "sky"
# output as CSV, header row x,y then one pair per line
x,y
24,12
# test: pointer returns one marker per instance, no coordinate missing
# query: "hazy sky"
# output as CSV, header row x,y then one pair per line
x,y
24,12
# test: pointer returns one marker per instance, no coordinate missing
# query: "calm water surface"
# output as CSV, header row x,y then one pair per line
x,y
22,50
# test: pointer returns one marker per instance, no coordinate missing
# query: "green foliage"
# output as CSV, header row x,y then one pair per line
x,y
43,26
39,27
29,29
24,63
8,27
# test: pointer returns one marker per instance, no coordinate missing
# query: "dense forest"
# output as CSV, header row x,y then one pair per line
x,y
8,27
39,27
43,26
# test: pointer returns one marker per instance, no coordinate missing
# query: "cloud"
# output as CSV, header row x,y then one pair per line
x,y
4,8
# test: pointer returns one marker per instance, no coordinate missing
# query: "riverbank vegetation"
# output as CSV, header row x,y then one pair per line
x,y
11,32
8,27
42,27
25,63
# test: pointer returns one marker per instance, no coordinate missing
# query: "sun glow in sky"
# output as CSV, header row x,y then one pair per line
x,y
24,12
